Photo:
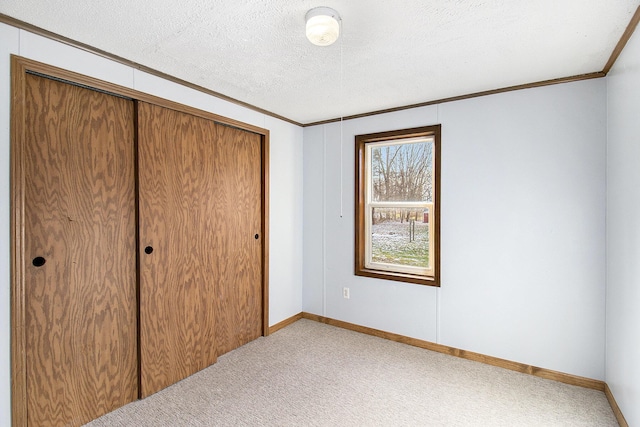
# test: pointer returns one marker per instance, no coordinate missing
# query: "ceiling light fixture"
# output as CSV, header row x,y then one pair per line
x,y
323,26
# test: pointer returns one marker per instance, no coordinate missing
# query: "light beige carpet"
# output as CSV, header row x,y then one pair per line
x,y
311,374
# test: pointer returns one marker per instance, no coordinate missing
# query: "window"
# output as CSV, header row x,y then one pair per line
x,y
397,205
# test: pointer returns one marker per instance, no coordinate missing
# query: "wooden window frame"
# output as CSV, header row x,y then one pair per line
x,y
361,210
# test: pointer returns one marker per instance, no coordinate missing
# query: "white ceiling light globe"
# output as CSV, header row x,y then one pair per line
x,y
323,26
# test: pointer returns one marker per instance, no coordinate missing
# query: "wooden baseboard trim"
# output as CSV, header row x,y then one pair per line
x,y
614,406
464,354
469,355
284,323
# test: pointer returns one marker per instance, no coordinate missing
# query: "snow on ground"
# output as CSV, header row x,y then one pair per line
x,y
390,243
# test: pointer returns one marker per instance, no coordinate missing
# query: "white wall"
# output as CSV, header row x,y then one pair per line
x,y
328,258
623,231
523,229
285,216
285,166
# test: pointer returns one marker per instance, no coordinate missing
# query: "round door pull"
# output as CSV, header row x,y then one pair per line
x,y
257,236
39,261
148,250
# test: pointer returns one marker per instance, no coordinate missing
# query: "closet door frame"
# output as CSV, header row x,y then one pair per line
x,y
20,67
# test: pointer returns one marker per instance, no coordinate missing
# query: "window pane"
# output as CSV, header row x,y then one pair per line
x,y
400,236
402,172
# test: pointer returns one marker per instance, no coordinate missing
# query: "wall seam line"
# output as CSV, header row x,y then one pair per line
x,y
606,221
324,220
438,340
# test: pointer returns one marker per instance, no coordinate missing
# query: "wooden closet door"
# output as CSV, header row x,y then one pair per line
x,y
200,269
237,238
80,224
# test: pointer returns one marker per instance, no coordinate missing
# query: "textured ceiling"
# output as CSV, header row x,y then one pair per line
x,y
390,54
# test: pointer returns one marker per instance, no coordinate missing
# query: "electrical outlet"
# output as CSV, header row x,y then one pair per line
x,y
345,293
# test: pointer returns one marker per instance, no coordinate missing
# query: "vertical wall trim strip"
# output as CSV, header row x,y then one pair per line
x,y
342,123
324,220
438,339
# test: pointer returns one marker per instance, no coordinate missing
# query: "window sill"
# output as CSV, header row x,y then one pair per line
x,y
398,277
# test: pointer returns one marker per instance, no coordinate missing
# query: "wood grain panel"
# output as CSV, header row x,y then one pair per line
x,y
21,260
23,64
236,224
176,280
200,207
80,216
